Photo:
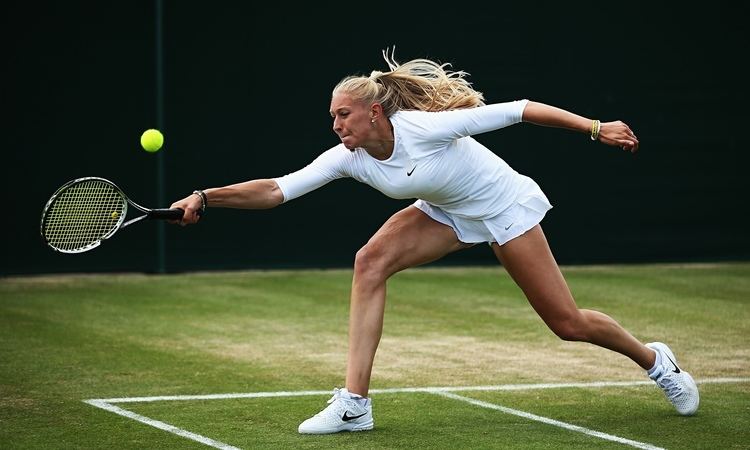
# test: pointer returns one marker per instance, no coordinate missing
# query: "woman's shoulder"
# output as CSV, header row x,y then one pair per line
x,y
408,118
336,153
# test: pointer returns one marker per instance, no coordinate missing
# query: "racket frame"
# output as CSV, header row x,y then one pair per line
x,y
164,214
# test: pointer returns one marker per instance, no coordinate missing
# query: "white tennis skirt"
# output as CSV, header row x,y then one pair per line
x,y
524,214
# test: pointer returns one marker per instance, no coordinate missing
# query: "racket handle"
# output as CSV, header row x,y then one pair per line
x,y
166,213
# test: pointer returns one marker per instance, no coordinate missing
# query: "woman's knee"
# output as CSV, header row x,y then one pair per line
x,y
372,262
573,328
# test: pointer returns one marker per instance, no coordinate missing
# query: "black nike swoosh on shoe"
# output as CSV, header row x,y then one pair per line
x,y
408,174
676,369
347,417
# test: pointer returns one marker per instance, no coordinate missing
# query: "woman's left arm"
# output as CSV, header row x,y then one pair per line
x,y
615,133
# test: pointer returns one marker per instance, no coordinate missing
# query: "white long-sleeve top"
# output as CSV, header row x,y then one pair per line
x,y
434,159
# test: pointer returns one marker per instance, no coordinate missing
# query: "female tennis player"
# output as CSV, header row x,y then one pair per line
x,y
407,132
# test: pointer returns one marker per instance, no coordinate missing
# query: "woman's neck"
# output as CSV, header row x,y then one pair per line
x,y
381,147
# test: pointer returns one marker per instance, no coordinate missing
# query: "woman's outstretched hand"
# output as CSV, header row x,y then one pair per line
x,y
191,205
618,134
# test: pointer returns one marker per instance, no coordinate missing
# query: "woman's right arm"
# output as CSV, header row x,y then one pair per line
x,y
254,194
268,193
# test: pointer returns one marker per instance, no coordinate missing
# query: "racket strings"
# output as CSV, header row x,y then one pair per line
x,y
84,214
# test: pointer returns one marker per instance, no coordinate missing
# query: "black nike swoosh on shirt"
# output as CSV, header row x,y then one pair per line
x,y
347,417
408,174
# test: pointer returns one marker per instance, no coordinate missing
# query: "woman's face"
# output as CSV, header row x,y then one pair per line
x,y
351,121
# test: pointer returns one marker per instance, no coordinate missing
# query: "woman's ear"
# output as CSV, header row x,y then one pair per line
x,y
376,111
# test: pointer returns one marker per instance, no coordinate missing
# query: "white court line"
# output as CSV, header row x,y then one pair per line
x,y
429,390
161,425
107,404
548,421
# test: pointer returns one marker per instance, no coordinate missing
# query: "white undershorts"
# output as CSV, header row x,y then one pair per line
x,y
524,214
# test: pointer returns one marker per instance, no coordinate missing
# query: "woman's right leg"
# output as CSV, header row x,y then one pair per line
x,y
409,238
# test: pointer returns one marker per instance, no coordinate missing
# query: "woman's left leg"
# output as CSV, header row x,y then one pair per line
x,y
529,261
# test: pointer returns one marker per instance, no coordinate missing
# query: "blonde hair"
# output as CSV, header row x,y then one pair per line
x,y
419,84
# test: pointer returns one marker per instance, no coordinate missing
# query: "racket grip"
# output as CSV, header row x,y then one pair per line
x,y
166,213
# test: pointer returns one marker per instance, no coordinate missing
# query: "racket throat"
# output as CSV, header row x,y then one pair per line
x,y
134,220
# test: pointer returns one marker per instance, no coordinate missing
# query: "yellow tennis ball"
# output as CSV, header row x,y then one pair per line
x,y
152,140
115,215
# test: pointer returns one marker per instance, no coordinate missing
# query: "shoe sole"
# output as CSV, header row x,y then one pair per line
x,y
365,426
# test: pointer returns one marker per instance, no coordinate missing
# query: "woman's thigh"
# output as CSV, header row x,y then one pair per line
x,y
529,261
410,238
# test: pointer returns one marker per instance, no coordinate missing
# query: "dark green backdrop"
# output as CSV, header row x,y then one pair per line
x,y
246,95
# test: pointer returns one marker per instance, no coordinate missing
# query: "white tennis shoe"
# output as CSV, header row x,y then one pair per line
x,y
678,385
343,413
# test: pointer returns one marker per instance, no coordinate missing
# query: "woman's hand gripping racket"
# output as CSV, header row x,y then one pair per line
x,y
85,211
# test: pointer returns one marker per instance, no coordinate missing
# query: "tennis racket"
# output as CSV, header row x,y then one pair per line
x,y
84,212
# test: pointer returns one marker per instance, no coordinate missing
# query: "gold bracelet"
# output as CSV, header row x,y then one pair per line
x,y
595,127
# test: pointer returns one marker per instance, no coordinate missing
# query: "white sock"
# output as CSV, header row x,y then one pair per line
x,y
657,363
359,399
